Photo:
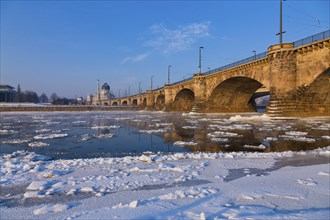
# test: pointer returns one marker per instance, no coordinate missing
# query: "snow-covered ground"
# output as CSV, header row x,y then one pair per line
x,y
286,185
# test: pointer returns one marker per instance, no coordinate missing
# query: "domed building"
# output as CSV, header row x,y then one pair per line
x,y
101,97
105,92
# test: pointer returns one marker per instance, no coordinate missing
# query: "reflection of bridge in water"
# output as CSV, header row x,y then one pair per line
x,y
194,133
295,75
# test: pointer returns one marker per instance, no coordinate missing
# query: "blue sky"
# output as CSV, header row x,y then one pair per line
x,y
66,46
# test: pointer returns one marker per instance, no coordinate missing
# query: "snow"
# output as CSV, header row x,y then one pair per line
x,y
235,185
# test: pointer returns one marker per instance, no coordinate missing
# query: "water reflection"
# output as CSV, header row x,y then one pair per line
x,y
99,134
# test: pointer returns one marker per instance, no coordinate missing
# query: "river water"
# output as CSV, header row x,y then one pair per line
x,y
69,135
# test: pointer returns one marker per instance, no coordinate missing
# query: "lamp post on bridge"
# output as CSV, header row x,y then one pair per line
x,y
139,87
151,82
168,74
281,25
255,54
200,59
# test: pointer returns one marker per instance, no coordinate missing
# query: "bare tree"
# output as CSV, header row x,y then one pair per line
x,y
53,98
43,98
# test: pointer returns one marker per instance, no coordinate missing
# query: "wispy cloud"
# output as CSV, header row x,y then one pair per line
x,y
181,38
135,59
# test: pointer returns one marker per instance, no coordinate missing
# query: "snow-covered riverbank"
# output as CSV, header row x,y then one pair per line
x,y
239,185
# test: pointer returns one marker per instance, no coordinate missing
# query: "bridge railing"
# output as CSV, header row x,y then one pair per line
x,y
237,63
298,43
181,81
313,38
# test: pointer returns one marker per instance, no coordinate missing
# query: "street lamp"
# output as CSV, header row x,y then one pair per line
x,y
209,69
139,87
151,82
200,59
168,74
281,30
255,54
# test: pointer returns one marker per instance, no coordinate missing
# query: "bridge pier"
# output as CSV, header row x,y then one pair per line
x,y
299,86
150,100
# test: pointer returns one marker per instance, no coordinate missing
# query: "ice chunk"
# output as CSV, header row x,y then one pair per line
x,y
38,144
153,131
49,136
40,185
182,143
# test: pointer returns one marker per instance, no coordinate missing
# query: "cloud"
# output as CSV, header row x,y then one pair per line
x,y
179,39
135,59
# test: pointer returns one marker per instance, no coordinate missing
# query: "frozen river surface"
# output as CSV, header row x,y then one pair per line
x,y
148,166
107,134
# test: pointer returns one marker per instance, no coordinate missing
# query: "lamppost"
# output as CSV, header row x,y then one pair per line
x,y
209,69
255,54
151,82
281,30
200,59
139,87
168,74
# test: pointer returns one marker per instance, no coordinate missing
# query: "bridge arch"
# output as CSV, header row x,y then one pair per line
x,y
134,102
316,95
160,102
124,103
184,100
114,103
233,95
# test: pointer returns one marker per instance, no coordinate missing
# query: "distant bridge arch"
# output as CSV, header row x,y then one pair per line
x,y
160,102
184,100
134,102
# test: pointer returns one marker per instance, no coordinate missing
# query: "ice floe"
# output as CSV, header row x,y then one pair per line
x,y
260,146
16,141
49,136
103,127
220,134
183,143
153,131
38,144
6,132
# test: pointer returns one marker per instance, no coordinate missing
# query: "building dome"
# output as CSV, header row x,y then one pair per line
x,y
105,86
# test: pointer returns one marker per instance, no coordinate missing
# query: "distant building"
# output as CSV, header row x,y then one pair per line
x,y
101,97
80,101
7,93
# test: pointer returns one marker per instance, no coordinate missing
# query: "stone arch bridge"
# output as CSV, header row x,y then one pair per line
x,y
297,78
